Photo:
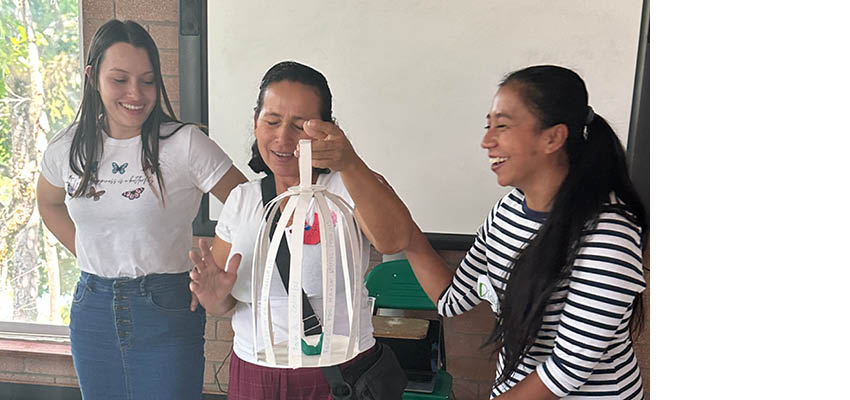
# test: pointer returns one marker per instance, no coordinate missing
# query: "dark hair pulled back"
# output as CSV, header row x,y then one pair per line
x,y
597,167
290,71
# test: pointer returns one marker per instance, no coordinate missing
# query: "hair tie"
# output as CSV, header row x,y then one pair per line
x,y
588,120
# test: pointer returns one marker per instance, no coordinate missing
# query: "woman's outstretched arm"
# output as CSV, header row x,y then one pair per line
x,y
382,215
430,269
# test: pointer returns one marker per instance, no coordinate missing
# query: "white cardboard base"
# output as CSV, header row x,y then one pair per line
x,y
340,345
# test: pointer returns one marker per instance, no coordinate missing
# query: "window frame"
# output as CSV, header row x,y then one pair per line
x,y
25,330
17,329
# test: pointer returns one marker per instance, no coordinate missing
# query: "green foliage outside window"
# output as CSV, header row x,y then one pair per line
x,y
40,88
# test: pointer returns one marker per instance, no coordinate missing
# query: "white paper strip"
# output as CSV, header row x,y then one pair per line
x,y
343,239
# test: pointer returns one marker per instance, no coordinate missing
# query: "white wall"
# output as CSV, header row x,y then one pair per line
x,y
413,80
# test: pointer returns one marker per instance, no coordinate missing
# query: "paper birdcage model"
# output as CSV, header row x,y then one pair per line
x,y
328,348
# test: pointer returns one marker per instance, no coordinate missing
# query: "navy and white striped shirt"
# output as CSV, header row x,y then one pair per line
x,y
583,349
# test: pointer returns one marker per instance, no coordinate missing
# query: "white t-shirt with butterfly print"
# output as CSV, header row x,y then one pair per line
x,y
122,227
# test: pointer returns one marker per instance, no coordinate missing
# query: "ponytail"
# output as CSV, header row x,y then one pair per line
x,y
597,167
256,163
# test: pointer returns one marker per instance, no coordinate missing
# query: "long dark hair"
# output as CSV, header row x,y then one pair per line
x,y
87,145
290,71
597,167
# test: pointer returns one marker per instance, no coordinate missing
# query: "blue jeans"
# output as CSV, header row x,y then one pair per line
x,y
136,338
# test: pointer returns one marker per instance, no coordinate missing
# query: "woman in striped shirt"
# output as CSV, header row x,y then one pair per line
x,y
559,257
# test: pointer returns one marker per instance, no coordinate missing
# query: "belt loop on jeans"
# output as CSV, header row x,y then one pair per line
x,y
86,280
142,288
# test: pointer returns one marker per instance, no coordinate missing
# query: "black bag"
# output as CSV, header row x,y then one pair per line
x,y
377,376
383,379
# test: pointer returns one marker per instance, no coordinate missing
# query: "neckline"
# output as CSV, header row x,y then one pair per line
x,y
537,216
120,142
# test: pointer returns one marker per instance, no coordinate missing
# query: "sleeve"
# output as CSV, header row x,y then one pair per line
x,y
56,157
229,219
460,296
207,161
333,182
607,276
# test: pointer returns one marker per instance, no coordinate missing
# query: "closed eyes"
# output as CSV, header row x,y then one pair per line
x,y
122,81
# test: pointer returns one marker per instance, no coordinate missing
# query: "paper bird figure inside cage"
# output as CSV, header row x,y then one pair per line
x,y
316,335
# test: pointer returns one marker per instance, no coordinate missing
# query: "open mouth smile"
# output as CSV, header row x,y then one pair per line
x,y
496,162
131,107
281,155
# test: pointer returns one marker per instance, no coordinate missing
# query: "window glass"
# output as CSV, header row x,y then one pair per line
x,y
41,66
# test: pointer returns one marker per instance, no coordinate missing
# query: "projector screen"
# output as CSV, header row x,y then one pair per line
x,y
413,80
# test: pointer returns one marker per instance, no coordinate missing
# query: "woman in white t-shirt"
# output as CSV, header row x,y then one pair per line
x,y
120,188
295,103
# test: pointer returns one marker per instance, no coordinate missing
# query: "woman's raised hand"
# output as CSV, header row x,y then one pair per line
x,y
210,284
331,149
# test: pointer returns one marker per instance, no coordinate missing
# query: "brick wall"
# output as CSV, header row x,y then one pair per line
x,y
159,17
472,368
38,363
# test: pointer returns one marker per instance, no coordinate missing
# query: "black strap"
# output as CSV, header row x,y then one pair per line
x,y
311,321
340,389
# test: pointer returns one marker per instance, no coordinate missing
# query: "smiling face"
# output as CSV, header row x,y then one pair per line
x,y
280,124
127,89
513,140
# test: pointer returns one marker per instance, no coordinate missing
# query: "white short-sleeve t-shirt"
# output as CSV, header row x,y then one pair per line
x,y
122,227
238,225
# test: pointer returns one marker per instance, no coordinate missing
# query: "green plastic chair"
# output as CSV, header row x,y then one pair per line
x,y
393,285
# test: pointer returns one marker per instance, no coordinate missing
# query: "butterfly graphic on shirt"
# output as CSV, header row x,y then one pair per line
x,y
119,168
133,194
96,194
312,232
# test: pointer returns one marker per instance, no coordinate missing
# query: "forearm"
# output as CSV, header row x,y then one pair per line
x,y
530,388
230,180
430,269
386,219
59,222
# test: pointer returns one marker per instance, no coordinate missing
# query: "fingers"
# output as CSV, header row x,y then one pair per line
x,y
198,262
315,134
195,256
194,305
204,246
318,129
325,135
335,160
328,152
201,257
206,257
233,265
329,148
319,146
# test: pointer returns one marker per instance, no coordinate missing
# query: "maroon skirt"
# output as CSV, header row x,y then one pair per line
x,y
250,381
